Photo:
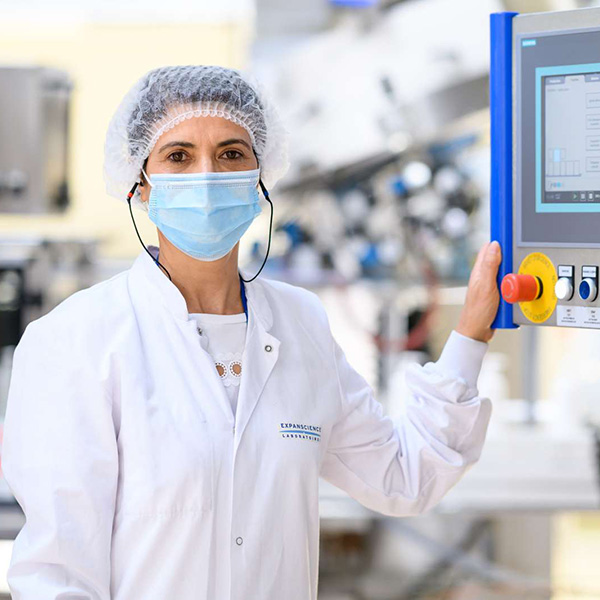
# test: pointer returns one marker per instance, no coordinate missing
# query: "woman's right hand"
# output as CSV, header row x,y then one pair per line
x,y
483,296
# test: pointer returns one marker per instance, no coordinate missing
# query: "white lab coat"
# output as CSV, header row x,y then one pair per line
x,y
121,447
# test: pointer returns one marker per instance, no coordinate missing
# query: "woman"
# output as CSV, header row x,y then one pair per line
x,y
166,428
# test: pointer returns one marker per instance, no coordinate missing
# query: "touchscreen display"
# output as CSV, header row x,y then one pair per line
x,y
568,138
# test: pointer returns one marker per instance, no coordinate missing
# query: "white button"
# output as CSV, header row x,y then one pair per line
x,y
268,348
234,429
564,288
239,541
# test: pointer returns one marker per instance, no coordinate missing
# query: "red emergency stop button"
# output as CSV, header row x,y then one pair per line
x,y
521,288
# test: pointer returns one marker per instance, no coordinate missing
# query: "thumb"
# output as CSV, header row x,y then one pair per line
x,y
493,255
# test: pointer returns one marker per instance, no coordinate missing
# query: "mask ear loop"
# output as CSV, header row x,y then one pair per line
x,y
147,178
129,196
266,195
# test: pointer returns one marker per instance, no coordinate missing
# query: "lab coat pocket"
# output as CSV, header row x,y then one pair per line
x,y
170,472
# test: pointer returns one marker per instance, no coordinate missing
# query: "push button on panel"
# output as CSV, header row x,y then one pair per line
x,y
532,287
565,286
588,288
521,288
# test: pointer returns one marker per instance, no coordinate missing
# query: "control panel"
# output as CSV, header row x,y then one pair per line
x,y
545,193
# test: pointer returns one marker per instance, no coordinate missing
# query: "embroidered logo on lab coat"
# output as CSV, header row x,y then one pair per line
x,y
300,431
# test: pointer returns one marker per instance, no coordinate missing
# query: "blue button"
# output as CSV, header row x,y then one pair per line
x,y
584,290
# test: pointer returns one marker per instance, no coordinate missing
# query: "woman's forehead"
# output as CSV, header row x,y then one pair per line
x,y
207,129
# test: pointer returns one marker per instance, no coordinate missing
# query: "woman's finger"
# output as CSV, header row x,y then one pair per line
x,y
491,262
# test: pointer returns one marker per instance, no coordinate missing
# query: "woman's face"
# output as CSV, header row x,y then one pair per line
x,y
200,145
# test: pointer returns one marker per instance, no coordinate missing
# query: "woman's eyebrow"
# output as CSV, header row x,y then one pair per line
x,y
180,144
234,141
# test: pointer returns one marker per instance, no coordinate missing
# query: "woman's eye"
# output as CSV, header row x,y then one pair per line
x,y
177,156
232,154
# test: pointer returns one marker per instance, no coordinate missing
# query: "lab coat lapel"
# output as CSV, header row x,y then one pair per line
x,y
151,287
259,358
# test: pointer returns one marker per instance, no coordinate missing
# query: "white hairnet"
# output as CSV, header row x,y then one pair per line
x,y
166,96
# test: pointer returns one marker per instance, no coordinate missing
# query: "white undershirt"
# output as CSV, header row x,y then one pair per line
x,y
224,337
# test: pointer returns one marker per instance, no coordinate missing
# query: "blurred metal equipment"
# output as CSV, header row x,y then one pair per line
x,y
34,127
36,274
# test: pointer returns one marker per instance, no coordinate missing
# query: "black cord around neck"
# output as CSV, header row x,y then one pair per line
x,y
266,195
129,196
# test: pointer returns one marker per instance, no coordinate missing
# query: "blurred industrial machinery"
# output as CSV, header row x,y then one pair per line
x,y
34,129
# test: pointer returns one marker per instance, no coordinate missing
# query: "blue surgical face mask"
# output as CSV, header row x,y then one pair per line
x,y
204,214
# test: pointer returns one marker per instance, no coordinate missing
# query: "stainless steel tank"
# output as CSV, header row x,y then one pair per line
x,y
34,129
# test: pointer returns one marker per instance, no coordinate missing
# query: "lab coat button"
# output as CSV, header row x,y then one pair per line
x,y
268,348
239,541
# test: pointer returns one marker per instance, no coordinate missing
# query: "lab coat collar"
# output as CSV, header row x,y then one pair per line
x,y
174,301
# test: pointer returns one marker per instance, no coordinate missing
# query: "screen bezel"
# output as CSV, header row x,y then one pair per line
x,y
571,217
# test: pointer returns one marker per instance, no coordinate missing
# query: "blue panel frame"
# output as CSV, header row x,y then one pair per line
x,y
501,191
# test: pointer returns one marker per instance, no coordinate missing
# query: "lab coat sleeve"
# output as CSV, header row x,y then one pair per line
x,y
59,458
405,467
